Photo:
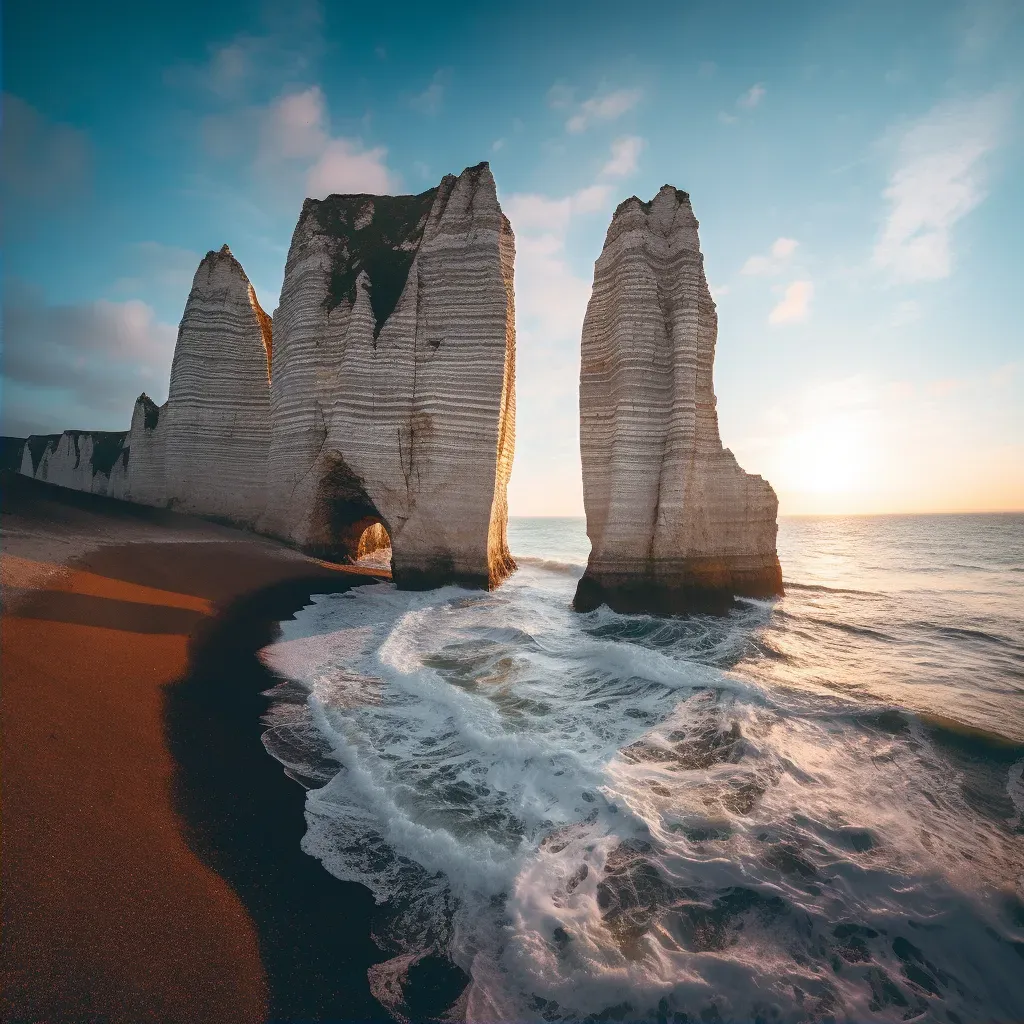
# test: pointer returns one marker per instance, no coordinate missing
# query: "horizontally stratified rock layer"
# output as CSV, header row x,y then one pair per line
x,y
215,427
205,449
391,396
674,523
393,380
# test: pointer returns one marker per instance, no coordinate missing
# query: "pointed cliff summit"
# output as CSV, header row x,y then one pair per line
x,y
393,395
675,524
205,449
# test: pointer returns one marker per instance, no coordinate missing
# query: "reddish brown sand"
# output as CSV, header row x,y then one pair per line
x,y
107,913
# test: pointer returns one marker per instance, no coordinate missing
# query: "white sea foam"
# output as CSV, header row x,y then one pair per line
x,y
644,818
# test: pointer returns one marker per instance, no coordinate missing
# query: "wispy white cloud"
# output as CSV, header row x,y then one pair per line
x,y
166,270
624,158
744,102
294,126
560,96
752,97
497,144
533,213
939,178
795,306
290,144
345,166
429,101
778,256
604,107
43,161
285,49
88,360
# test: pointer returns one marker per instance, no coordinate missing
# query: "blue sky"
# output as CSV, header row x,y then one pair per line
x,y
855,167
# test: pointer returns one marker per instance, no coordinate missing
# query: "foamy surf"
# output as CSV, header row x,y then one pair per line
x,y
638,819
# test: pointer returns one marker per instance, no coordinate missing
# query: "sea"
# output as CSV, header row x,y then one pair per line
x,y
810,809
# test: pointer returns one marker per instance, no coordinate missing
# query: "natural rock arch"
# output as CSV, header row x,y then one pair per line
x,y
342,513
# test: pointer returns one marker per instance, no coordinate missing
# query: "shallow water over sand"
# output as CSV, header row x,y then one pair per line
x,y
808,810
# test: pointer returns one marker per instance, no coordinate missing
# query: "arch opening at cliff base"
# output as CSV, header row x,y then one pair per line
x,y
345,525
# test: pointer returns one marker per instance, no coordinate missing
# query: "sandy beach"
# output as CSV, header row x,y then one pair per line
x,y
151,862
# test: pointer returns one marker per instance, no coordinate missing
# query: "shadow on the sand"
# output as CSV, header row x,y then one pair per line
x,y
244,817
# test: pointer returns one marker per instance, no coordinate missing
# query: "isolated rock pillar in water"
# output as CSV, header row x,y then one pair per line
x,y
674,523
393,381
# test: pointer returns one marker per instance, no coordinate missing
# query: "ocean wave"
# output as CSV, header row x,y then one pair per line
x,y
552,565
605,815
822,589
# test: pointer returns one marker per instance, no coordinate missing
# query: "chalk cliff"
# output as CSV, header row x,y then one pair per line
x,y
95,461
382,396
675,524
393,396
215,427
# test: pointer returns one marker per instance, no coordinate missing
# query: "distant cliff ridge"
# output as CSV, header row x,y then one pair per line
x,y
382,392
675,524
96,461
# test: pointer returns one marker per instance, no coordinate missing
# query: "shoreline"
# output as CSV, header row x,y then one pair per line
x,y
244,816
151,859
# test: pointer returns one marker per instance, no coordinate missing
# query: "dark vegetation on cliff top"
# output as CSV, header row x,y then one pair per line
x,y
37,445
681,197
397,220
107,448
10,453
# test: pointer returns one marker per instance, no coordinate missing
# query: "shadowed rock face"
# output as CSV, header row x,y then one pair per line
x,y
393,380
92,461
675,524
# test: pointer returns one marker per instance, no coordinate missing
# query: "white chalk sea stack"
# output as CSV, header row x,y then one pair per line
x,y
675,524
393,396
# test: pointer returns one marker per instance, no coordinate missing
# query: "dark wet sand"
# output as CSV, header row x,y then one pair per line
x,y
151,861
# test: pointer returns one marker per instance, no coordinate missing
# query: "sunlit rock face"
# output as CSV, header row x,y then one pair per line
x,y
675,524
205,449
393,396
215,426
94,461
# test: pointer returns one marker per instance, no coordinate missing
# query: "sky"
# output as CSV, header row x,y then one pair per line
x,y
856,169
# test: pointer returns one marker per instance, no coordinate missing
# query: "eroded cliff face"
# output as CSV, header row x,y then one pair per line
x,y
675,524
205,449
393,395
95,462
147,483
383,393
215,426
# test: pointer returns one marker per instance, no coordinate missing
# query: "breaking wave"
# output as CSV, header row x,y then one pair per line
x,y
606,817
